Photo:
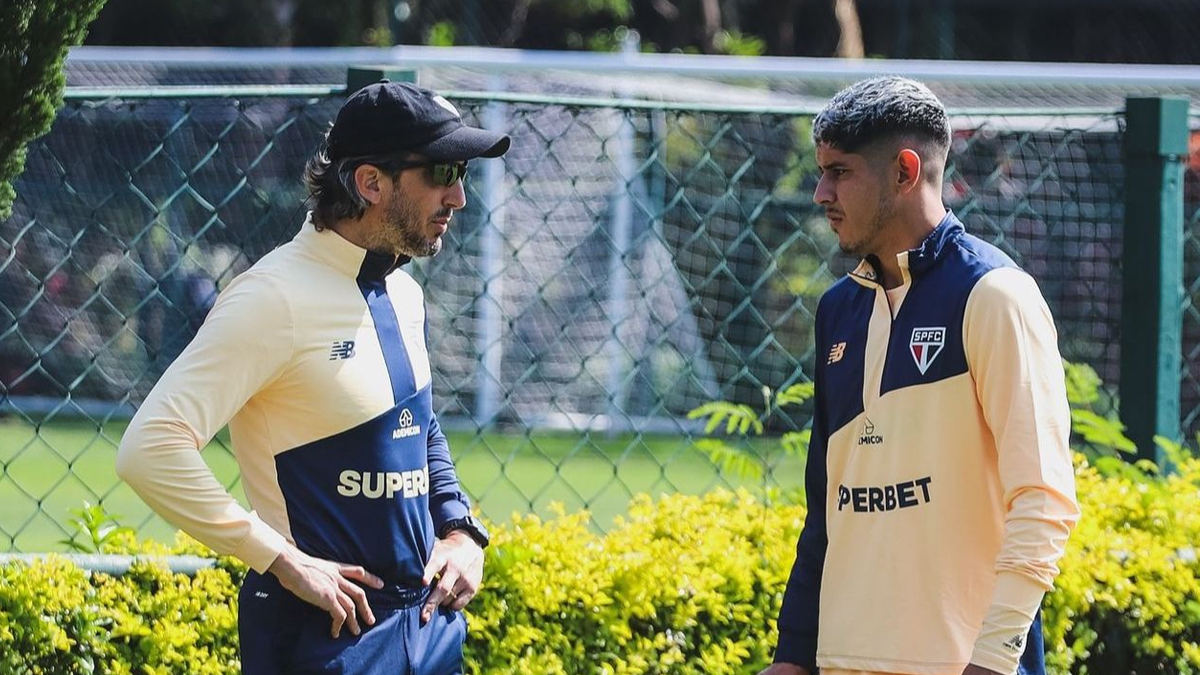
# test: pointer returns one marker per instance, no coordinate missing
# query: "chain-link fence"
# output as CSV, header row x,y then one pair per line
x,y
623,264
1190,391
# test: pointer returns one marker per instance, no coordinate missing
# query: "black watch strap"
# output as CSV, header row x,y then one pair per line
x,y
470,525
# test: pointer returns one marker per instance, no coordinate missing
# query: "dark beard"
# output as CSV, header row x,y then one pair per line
x,y
403,235
882,211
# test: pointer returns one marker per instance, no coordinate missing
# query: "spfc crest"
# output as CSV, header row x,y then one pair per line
x,y
925,345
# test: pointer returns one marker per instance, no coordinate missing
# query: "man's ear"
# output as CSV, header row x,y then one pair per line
x,y
367,179
908,174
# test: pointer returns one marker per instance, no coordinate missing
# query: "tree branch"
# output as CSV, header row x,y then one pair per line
x,y
850,46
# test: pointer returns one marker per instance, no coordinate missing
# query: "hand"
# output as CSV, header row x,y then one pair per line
x,y
327,585
973,669
784,669
457,564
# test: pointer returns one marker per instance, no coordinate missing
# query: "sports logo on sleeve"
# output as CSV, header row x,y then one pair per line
x,y
925,345
1016,643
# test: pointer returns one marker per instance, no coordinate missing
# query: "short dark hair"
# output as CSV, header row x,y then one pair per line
x,y
332,188
879,108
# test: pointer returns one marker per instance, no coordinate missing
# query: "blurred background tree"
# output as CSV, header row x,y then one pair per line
x,y
34,38
1126,31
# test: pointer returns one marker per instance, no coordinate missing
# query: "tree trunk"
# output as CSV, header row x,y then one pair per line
x,y
665,9
784,35
850,46
711,10
516,24
284,12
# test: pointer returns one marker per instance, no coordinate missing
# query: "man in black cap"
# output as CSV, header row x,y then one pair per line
x,y
316,358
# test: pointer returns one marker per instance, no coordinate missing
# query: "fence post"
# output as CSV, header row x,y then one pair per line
x,y
1152,269
358,77
489,337
621,234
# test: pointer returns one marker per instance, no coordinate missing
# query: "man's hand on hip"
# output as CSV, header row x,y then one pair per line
x,y
784,669
457,564
973,669
327,585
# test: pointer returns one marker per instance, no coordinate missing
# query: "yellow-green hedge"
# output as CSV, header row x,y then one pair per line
x,y
681,585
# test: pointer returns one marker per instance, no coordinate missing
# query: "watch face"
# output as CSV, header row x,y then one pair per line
x,y
478,530
475,523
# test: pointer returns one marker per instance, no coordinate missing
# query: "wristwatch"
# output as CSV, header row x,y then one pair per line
x,y
469,524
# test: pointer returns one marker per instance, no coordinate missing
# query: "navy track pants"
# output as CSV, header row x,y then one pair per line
x,y
283,635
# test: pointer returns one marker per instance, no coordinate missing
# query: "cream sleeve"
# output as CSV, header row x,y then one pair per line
x,y
245,343
1012,352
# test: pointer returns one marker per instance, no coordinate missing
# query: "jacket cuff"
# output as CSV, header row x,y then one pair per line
x,y
796,650
1005,631
261,547
444,512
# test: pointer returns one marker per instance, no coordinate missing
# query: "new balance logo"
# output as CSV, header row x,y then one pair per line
x,y
1016,643
836,354
342,349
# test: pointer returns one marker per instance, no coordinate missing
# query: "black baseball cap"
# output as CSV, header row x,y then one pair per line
x,y
392,117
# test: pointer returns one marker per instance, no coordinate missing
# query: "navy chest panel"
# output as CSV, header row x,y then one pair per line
x,y
845,312
362,496
926,340
926,343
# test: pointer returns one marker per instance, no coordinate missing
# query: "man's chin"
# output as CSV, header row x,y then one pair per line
x,y
428,250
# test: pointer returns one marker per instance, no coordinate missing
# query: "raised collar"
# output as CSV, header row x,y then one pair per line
x,y
344,256
919,260
922,258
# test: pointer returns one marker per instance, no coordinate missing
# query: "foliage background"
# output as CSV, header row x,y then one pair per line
x,y
34,37
1120,31
684,584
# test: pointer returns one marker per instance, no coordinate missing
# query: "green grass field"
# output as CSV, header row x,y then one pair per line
x,y
48,470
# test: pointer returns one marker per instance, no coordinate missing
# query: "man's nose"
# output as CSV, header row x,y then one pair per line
x,y
456,196
823,195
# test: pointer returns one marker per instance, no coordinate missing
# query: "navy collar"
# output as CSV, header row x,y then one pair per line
x,y
346,257
917,261
936,245
376,266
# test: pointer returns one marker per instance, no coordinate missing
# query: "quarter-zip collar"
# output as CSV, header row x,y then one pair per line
x,y
376,266
346,257
915,262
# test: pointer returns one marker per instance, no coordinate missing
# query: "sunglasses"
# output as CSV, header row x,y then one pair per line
x,y
445,174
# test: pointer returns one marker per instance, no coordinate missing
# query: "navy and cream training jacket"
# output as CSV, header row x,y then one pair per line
x,y
941,489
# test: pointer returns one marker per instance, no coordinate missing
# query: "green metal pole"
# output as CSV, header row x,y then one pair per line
x,y
358,77
945,30
1156,138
